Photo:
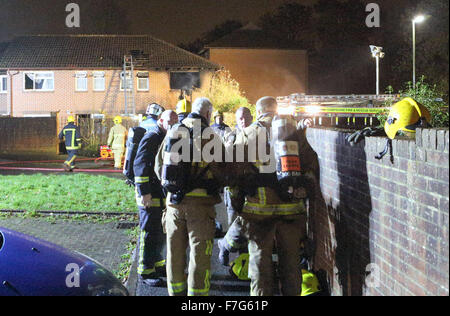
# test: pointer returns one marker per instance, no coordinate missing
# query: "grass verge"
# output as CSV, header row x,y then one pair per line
x,y
70,192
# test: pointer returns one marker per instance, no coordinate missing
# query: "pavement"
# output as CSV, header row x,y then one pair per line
x,y
107,242
222,283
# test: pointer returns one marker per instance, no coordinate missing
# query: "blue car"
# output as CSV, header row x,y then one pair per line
x,y
34,267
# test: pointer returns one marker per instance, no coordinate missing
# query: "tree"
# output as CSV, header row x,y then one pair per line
x,y
224,92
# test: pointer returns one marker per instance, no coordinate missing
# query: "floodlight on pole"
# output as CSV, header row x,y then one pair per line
x,y
417,19
377,53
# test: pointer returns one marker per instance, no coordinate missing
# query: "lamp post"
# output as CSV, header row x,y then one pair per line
x,y
377,53
417,19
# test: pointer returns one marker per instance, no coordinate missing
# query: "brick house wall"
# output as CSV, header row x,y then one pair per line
x,y
66,99
382,228
262,72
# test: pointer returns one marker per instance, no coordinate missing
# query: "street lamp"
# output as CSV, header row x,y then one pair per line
x,y
377,53
417,19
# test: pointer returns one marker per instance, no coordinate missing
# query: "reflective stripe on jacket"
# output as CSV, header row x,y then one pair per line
x,y
71,134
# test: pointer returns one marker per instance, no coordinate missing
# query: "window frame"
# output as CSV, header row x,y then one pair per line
x,y
95,76
34,82
77,74
2,88
123,78
143,75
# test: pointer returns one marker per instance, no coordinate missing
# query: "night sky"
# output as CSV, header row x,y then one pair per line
x,y
175,21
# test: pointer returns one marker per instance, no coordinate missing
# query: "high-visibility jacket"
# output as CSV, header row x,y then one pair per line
x,y
117,137
71,134
144,176
265,201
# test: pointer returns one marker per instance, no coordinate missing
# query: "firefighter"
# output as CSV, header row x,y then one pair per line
x,y
219,126
71,134
190,215
116,141
234,240
243,119
153,113
150,201
183,109
269,218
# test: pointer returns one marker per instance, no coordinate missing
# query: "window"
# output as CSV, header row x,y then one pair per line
x,y
39,81
81,81
99,80
142,81
129,81
3,84
184,80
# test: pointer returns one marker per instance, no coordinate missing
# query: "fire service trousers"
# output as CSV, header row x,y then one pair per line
x,y
190,224
152,241
284,232
118,156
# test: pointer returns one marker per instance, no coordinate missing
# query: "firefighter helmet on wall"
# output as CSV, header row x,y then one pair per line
x,y
71,119
183,106
117,120
406,115
154,109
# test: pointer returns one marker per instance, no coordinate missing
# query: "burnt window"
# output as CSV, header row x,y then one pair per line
x,y
184,80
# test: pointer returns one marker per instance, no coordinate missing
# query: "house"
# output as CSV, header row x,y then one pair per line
x,y
85,75
260,63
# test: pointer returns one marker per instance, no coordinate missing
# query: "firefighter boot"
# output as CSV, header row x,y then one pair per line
x,y
224,254
151,279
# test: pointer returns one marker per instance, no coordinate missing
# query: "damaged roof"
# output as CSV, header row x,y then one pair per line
x,y
96,51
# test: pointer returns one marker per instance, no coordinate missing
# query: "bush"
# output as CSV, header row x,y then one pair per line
x,y
429,96
225,94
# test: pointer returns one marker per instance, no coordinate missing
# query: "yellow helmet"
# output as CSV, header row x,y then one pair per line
x,y
240,267
183,106
71,119
406,115
310,283
117,120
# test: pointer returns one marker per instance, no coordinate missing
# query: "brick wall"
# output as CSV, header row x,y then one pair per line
x,y
28,134
66,99
375,218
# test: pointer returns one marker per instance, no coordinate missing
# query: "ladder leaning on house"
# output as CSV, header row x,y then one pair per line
x,y
128,84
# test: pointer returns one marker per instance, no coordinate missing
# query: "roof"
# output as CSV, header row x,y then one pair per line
x,y
96,51
3,47
251,36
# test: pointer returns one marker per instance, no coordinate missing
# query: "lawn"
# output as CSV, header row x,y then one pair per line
x,y
68,192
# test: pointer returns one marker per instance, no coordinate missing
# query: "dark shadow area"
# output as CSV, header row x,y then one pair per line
x,y
351,218
339,210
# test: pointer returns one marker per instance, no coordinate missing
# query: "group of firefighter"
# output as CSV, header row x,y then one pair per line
x,y
267,208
